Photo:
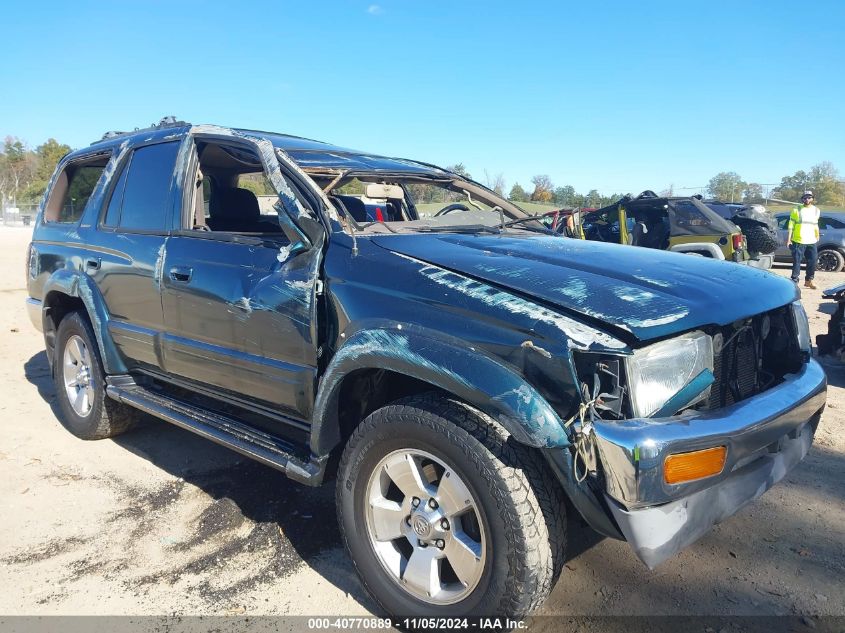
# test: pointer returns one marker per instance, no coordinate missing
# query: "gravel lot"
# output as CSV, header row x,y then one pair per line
x,y
159,521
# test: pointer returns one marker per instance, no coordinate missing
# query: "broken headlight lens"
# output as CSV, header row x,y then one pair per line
x,y
659,371
802,327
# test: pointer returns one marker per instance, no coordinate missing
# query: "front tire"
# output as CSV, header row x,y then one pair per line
x,y
80,384
444,514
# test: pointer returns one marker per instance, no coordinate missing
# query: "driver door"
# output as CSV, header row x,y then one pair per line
x,y
240,305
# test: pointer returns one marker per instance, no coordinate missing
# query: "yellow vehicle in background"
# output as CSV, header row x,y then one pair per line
x,y
680,224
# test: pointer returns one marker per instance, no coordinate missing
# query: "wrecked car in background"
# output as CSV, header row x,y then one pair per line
x,y
456,367
677,224
758,226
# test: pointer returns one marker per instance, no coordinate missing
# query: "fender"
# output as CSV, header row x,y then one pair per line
x,y
74,284
470,374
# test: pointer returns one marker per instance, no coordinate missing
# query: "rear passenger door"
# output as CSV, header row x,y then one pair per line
x,y
132,235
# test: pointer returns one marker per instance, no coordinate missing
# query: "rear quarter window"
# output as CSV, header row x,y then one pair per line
x,y
72,190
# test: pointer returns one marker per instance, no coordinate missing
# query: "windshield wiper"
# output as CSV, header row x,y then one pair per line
x,y
535,218
384,224
460,228
528,219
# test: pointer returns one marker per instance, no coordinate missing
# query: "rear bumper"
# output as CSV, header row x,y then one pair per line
x,y
766,436
33,308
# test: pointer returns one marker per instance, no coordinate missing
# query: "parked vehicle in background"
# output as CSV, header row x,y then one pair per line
x,y
757,225
831,244
678,224
463,377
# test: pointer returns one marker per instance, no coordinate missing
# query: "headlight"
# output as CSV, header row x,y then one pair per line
x,y
659,371
802,326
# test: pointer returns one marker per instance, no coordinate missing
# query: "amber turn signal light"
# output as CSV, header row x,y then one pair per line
x,y
682,467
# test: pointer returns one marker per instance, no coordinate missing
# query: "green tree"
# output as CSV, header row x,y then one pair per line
x,y
48,155
825,183
459,169
791,187
822,179
564,196
593,199
518,194
753,193
726,186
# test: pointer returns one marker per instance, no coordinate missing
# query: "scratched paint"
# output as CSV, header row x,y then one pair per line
x,y
396,345
158,271
284,253
578,334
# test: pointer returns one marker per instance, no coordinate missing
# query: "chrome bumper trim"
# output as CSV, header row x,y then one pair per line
x,y
632,451
659,532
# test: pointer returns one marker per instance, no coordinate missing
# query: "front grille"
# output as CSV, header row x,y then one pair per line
x,y
751,356
735,368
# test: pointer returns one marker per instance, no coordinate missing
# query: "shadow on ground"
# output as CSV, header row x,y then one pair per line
x,y
300,519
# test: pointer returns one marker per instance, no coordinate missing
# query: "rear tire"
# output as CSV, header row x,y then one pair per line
x,y
511,512
80,384
830,260
759,239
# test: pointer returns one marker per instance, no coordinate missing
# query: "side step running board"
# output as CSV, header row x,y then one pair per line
x,y
263,447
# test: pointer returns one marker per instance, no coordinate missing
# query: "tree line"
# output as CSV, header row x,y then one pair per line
x,y
822,179
25,172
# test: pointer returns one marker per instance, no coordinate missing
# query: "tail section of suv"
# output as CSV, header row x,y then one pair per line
x,y
457,369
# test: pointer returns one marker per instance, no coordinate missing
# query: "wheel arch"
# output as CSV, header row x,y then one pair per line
x,y
417,361
66,291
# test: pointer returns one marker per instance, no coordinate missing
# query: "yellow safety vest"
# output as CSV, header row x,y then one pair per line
x,y
804,224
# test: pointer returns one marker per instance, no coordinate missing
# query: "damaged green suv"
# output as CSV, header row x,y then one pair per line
x,y
461,373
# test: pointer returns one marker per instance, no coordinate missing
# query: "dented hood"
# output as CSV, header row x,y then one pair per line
x,y
648,293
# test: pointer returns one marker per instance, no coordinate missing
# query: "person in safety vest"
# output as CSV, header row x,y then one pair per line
x,y
802,235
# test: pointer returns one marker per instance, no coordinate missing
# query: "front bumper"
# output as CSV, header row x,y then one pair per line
x,y
766,436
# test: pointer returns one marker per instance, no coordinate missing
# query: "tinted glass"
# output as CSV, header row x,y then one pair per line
x,y
687,214
113,212
783,221
146,196
830,223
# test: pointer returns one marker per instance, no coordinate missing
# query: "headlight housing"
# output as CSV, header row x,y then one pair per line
x,y
659,371
802,327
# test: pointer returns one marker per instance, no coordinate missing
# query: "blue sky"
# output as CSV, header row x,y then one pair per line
x,y
617,96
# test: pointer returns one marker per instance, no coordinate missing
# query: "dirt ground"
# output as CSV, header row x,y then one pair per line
x,y
159,521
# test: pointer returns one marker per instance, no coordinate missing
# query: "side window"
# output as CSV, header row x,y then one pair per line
x,y
830,223
235,195
783,221
142,196
72,189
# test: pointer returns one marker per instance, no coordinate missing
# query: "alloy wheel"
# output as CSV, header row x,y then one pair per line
x,y
425,527
76,371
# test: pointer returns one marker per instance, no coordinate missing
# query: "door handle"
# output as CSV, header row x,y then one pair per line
x,y
181,273
93,264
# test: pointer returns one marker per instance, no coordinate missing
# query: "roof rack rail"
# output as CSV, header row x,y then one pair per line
x,y
165,122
